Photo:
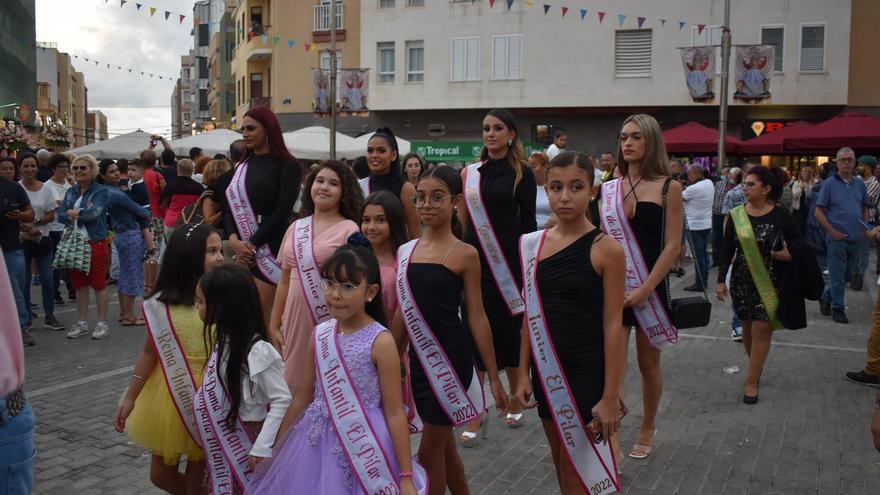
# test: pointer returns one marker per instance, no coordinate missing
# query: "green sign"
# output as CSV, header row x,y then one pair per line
x,y
456,151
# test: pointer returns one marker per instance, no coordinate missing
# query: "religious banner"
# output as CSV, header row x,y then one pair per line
x,y
354,91
753,66
699,72
321,91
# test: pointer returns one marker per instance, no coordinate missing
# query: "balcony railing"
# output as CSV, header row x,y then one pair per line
x,y
261,102
322,17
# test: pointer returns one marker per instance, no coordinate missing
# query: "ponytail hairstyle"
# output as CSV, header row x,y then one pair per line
x,y
569,158
516,154
393,214
774,177
388,135
234,323
452,180
355,262
352,194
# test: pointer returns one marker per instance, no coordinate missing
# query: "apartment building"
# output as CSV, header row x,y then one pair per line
x,y
61,91
207,16
96,126
18,90
221,86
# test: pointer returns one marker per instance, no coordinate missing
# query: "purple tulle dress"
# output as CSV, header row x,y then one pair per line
x,y
310,459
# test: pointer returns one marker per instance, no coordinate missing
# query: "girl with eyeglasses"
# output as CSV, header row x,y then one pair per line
x,y
329,214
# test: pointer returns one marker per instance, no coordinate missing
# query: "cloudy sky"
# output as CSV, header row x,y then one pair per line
x,y
122,36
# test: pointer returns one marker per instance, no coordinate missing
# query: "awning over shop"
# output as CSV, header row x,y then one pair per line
x,y
696,138
771,143
856,130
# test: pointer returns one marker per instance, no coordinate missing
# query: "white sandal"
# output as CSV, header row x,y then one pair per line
x,y
516,420
470,439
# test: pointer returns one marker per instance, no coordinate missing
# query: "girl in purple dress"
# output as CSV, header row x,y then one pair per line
x,y
312,457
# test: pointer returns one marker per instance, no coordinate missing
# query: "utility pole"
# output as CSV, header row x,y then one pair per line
x,y
725,76
333,79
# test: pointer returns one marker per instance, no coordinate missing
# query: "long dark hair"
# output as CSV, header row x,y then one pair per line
x,y
388,135
233,322
355,262
393,213
774,177
452,179
569,158
407,158
516,153
183,265
103,167
269,122
352,194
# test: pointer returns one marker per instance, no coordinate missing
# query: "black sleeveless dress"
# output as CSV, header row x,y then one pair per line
x,y
647,225
391,182
573,303
437,291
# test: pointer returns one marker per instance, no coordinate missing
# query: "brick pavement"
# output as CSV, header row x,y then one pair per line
x,y
808,434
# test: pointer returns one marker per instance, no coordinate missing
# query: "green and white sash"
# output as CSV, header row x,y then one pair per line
x,y
757,268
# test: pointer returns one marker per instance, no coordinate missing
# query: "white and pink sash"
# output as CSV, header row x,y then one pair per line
x,y
365,454
175,368
652,316
461,406
489,242
226,449
308,269
246,222
595,464
365,185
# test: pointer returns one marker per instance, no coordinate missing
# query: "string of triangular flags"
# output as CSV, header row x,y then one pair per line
x,y
141,7
120,68
585,15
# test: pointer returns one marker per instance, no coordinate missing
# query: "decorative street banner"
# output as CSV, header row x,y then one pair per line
x,y
354,90
699,71
321,91
457,151
753,66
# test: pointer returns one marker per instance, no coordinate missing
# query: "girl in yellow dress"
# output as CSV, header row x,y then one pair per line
x,y
150,414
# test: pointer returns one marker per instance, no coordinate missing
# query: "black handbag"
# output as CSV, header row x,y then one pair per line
x,y
691,311
37,249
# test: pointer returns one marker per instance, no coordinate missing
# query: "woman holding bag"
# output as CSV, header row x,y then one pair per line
x,y
757,231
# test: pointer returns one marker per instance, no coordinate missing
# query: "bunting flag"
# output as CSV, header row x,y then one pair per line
x,y
564,11
700,28
509,5
167,15
264,38
546,9
290,43
182,17
681,25
276,40
152,11
583,13
123,2
601,17
491,3
139,5
530,4
621,18
662,22
641,22
308,46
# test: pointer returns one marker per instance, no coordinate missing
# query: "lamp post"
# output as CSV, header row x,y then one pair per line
x,y
725,75
332,79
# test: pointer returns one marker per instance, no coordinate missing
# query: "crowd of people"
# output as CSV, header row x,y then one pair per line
x,y
302,322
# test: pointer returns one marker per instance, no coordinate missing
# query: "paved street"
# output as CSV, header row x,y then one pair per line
x,y
809,433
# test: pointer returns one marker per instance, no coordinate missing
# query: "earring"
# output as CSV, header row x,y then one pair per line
x,y
369,299
509,143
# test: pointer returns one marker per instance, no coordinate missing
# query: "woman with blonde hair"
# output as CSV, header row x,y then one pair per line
x,y
210,208
642,209
802,194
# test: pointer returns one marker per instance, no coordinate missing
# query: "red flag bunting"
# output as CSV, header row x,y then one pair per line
x,y
564,11
182,17
700,28
491,3
601,17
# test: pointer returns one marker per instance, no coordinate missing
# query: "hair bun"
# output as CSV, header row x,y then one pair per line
x,y
358,239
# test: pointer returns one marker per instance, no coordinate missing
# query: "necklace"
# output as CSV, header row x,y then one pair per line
x,y
632,187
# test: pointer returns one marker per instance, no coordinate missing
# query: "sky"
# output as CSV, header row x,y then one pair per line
x,y
102,30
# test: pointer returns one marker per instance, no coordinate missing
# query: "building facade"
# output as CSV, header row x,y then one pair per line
x,y
96,125
221,88
207,15
437,67
18,79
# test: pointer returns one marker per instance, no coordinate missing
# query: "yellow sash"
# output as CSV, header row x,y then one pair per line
x,y
757,267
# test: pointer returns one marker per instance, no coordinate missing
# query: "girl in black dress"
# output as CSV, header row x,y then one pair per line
x,y
383,158
644,170
508,191
774,228
272,182
580,273
441,269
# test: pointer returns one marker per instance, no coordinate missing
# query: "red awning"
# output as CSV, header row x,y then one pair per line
x,y
771,143
696,138
856,130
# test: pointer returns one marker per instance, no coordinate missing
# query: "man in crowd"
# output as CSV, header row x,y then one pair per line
x,y
698,210
15,209
841,210
43,172
560,140
721,188
606,166
194,153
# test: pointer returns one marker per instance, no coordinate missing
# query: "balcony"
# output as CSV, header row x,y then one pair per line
x,y
321,23
254,50
261,102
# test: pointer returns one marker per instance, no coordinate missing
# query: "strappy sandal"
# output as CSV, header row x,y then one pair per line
x,y
470,439
134,322
642,450
516,420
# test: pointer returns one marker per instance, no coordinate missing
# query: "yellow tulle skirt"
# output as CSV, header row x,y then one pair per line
x,y
155,424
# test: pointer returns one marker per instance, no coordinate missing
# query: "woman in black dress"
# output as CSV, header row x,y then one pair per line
x,y
644,172
774,228
383,158
272,182
580,273
508,191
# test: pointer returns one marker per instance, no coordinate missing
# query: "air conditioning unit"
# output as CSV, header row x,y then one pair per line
x,y
436,130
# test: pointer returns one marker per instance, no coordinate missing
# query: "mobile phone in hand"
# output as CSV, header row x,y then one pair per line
x,y
866,225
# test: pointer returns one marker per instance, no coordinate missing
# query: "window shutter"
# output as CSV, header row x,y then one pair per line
x,y
514,56
458,59
499,57
632,53
812,47
473,59
774,36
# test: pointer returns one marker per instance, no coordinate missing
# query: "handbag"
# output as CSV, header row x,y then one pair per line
x,y
690,311
38,248
193,213
73,251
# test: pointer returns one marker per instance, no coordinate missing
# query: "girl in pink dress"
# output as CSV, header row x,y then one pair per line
x,y
384,224
329,212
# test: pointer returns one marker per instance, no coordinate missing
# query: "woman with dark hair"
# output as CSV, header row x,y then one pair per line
x,y
413,166
59,165
383,159
500,207
329,214
262,193
756,232
383,223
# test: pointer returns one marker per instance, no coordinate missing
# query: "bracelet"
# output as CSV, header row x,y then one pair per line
x,y
137,377
406,474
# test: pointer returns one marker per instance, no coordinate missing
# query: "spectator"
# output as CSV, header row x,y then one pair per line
x,y
122,167
218,189
870,375
59,165
43,172
199,170
801,195
137,189
698,199
194,153
180,193
841,207
413,166
605,170
538,161
155,183
167,165
560,141
360,167
15,208
211,211
721,187
786,200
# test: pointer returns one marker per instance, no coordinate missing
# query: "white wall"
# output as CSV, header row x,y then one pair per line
x,y
570,63
47,71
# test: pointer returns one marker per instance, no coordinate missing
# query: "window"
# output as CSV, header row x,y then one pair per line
x,y
386,62
203,100
812,47
775,36
415,61
203,67
466,59
256,85
386,4
415,3
632,53
204,35
507,56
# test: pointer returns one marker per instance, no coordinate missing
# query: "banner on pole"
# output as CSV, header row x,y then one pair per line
x,y
354,90
753,66
699,72
321,91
